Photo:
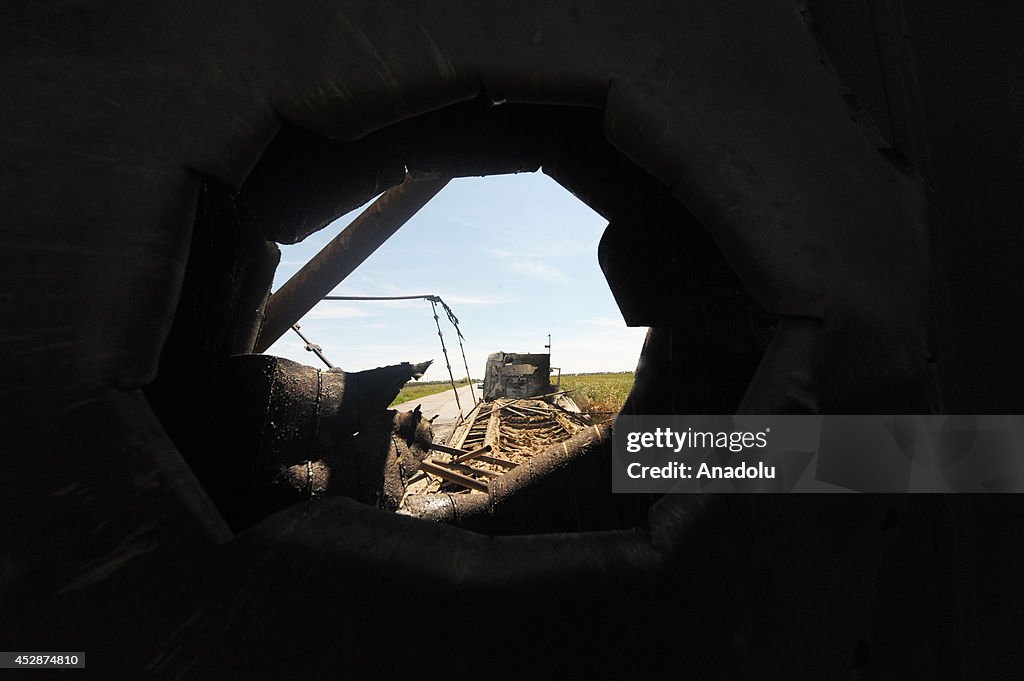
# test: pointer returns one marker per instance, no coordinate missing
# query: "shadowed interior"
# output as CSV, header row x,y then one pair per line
x,y
664,270
125,117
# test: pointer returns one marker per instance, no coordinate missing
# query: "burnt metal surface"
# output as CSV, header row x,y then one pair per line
x,y
529,469
342,255
293,433
496,437
509,374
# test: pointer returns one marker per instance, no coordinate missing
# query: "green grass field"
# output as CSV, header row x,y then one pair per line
x,y
592,392
598,393
414,390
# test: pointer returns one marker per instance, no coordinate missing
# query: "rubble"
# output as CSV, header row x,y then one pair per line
x,y
524,427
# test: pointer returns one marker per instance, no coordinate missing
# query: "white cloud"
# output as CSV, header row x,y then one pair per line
x,y
368,285
470,300
614,349
549,249
502,253
503,244
332,310
534,269
609,323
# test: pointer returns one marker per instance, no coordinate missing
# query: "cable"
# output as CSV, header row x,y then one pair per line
x,y
434,301
455,390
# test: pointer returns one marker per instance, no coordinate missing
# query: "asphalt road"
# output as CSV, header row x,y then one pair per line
x,y
444,407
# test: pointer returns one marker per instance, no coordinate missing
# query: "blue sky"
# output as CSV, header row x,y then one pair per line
x,y
515,256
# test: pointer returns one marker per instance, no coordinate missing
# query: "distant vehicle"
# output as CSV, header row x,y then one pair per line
x,y
519,420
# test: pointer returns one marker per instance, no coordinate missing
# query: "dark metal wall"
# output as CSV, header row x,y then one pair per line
x,y
883,261
943,82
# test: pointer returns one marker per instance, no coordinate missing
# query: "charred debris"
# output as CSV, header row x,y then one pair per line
x,y
300,433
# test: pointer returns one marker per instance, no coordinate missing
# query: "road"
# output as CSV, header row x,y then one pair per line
x,y
444,407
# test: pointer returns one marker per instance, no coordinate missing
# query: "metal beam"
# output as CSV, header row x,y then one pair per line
x,y
452,476
343,254
468,456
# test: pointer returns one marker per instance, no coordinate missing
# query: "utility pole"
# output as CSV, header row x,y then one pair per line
x,y
550,368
